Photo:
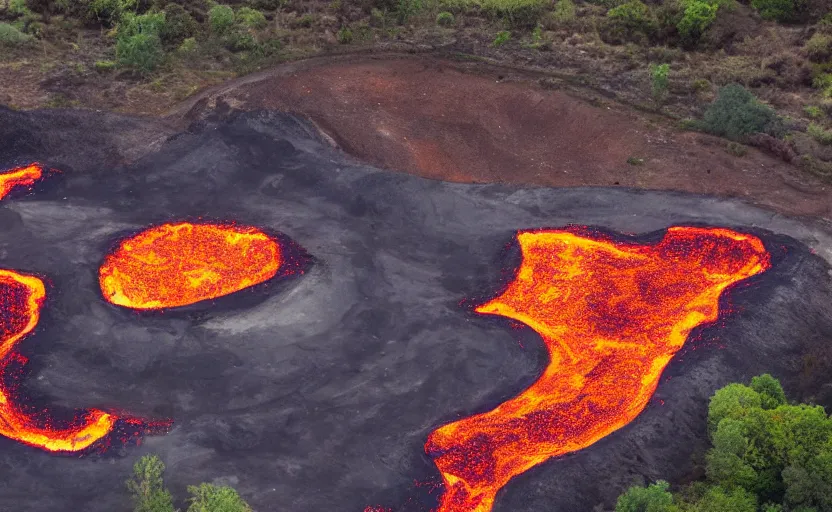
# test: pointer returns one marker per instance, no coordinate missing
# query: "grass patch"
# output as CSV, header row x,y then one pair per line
x,y
820,134
502,38
517,13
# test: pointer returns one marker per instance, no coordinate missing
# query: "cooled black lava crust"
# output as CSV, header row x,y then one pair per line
x,y
316,393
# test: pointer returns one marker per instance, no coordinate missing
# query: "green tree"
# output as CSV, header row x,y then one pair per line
x,y
717,499
770,390
212,498
659,75
147,486
632,21
653,498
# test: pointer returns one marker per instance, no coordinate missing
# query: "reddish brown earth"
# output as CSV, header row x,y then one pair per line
x,y
470,122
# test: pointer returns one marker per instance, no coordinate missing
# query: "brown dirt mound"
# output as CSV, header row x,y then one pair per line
x,y
469,122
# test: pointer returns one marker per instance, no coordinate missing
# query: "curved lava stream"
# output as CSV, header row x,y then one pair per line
x,y
612,315
21,299
22,176
174,265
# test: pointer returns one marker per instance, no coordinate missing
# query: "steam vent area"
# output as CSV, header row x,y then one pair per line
x,y
260,309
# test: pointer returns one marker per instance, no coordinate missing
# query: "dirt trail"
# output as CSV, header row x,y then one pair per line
x,y
469,122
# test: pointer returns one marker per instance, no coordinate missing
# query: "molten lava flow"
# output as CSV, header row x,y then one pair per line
x,y
21,298
23,176
178,264
612,315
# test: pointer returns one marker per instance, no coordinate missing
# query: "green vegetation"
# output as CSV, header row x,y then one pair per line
x,y
148,492
444,19
736,113
777,10
517,13
139,45
502,38
632,21
696,19
767,455
221,17
659,75
147,487
819,47
820,134
11,36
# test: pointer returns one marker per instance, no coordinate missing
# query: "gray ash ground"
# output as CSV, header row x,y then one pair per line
x,y
317,392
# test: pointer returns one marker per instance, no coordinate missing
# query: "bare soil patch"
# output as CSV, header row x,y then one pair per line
x,y
470,122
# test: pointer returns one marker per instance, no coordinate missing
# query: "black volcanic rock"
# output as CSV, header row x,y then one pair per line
x,y
316,393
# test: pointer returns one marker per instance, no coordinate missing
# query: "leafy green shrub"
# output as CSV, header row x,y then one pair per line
x,y
250,18
501,39
221,18
517,13
109,12
736,113
654,498
659,75
405,9
179,25
777,10
138,45
820,134
445,19
819,47
147,486
344,35
736,149
564,11
633,21
210,498
10,36
813,111
18,8
696,19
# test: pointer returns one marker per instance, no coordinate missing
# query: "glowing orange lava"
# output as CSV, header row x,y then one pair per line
x,y
611,314
23,176
179,264
21,298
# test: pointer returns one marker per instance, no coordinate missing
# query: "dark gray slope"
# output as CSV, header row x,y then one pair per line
x,y
317,393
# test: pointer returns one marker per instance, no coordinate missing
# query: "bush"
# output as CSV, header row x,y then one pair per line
x,y
655,498
221,18
777,10
179,25
344,35
266,5
405,9
147,486
517,13
696,19
139,46
659,77
736,113
250,18
445,19
564,11
210,498
502,38
632,21
819,47
10,36
108,12
820,134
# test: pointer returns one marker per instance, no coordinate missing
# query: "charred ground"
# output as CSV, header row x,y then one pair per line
x,y
319,395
